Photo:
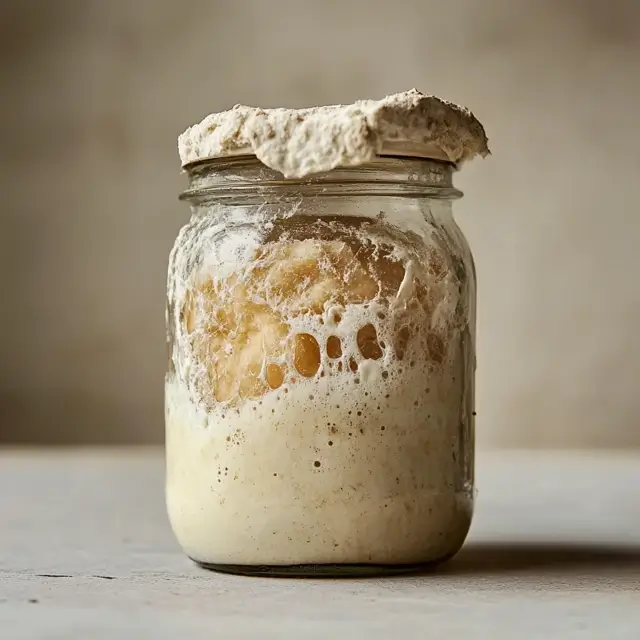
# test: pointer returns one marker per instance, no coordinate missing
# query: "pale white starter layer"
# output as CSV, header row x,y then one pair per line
x,y
350,476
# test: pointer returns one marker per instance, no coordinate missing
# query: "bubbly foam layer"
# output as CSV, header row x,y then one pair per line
x,y
343,469
301,307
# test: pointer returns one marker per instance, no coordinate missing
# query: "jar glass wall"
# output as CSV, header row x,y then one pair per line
x,y
320,389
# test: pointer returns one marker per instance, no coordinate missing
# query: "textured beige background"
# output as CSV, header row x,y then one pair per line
x,y
93,95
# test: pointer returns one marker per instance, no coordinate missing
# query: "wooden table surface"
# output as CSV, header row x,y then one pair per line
x,y
86,552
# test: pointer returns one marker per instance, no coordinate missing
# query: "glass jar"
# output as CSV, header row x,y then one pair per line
x,y
320,390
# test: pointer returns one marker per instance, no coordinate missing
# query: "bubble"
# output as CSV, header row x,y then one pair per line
x,y
401,342
188,312
334,347
306,355
367,339
334,315
275,376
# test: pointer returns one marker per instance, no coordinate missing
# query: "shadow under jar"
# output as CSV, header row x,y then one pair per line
x,y
320,390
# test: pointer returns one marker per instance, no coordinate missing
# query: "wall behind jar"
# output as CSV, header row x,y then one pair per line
x,y
95,93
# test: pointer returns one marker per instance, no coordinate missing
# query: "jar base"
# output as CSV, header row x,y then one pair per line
x,y
321,570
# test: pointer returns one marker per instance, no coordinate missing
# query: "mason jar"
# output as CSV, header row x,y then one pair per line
x,y
320,387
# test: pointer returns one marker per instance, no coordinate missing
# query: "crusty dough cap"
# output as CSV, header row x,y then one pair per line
x,y
300,142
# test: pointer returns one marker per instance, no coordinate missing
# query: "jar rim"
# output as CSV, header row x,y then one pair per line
x,y
390,149
231,176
